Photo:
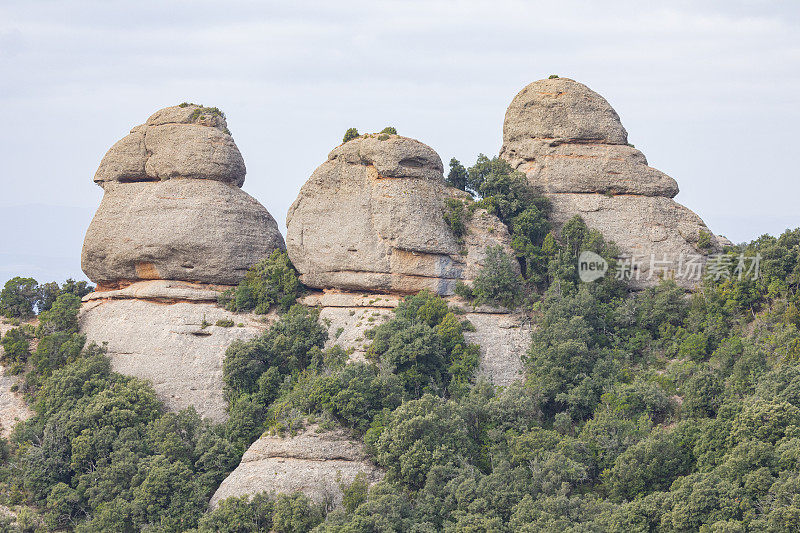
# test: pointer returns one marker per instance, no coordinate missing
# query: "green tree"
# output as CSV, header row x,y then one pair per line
x,y
350,134
18,297
457,176
272,281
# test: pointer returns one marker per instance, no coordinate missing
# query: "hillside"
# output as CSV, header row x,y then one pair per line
x,y
540,341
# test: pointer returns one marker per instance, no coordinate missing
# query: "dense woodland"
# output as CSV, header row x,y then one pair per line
x,y
649,411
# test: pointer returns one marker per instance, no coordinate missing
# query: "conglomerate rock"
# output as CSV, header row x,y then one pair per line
x,y
571,145
187,141
173,230
314,462
172,207
180,229
371,218
172,334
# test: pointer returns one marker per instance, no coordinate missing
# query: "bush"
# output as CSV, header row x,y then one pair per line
x,y
23,297
456,215
388,130
350,134
272,281
18,297
497,282
424,345
457,177
16,349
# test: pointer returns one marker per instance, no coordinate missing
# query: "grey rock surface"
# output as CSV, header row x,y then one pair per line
x,y
371,218
180,229
13,408
652,230
563,110
313,462
504,339
571,145
175,142
177,346
588,168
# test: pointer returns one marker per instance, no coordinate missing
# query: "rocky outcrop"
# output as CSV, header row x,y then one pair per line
x,y
571,145
185,141
172,334
173,230
314,462
172,207
371,218
179,229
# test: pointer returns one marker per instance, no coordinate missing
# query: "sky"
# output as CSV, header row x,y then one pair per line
x,y
709,91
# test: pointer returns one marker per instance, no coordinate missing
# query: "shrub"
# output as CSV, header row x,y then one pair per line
x,y
272,281
457,177
704,242
389,130
16,349
497,282
456,215
225,323
350,134
553,76
288,347
424,345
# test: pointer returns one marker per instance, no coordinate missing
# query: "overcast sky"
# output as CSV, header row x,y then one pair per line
x,y
709,91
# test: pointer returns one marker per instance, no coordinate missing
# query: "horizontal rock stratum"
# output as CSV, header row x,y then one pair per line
x,y
571,145
371,218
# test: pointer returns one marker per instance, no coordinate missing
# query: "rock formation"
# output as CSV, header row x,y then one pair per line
x,y
570,143
172,207
314,462
171,333
370,218
173,230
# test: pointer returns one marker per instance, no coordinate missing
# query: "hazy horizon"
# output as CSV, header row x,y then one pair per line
x,y
708,91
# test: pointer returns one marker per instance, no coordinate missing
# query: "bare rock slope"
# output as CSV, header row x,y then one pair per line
x,y
172,334
571,144
314,462
371,218
13,408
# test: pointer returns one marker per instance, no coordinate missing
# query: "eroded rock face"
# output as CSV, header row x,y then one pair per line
x,y
167,332
175,142
312,462
13,408
172,207
173,230
179,229
370,218
571,145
